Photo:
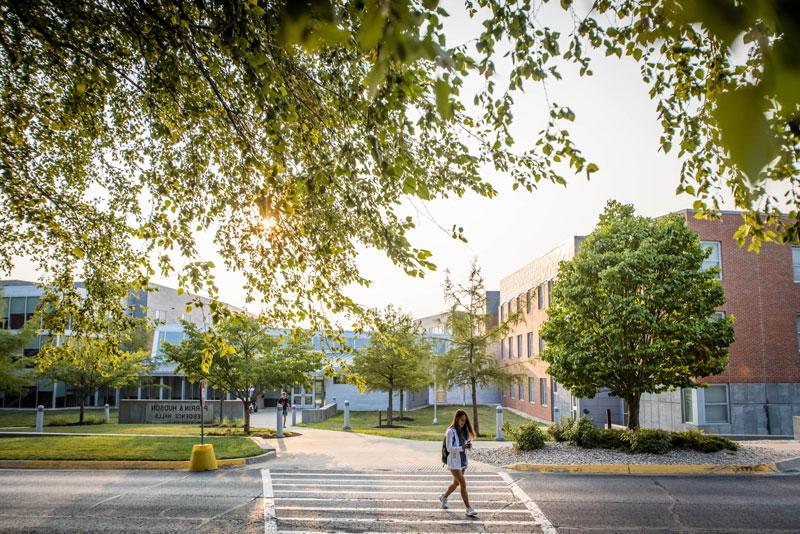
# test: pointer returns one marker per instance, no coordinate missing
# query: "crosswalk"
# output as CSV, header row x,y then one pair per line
x,y
362,502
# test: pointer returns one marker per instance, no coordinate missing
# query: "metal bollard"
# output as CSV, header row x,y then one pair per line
x,y
39,418
347,415
499,436
278,422
294,415
107,413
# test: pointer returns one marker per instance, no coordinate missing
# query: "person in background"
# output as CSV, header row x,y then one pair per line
x,y
284,403
458,439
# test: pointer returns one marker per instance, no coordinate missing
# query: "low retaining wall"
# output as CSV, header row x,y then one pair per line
x,y
176,411
315,415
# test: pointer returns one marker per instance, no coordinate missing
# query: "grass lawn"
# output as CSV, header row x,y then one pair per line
x,y
119,448
10,418
420,428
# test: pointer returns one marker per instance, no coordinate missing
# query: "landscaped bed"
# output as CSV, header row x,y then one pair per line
x,y
555,453
120,448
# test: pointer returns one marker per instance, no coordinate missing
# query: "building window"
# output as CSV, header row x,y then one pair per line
x,y
687,404
528,301
339,379
717,315
4,310
549,292
518,306
521,390
796,264
541,345
555,386
16,313
716,403
502,312
510,347
512,392
509,309
519,346
540,296
714,258
532,390
530,344
543,391
502,351
161,315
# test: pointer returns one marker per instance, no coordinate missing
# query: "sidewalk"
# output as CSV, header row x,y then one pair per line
x,y
328,449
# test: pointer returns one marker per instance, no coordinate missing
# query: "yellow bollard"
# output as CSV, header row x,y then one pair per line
x,y
203,458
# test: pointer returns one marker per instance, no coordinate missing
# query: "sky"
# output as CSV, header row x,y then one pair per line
x,y
616,127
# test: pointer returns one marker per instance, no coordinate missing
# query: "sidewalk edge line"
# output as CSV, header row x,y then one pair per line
x,y
544,524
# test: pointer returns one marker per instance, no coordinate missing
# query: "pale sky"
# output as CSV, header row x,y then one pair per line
x,y
616,127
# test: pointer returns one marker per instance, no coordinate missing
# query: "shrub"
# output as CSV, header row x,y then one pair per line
x,y
698,441
583,432
61,420
644,440
561,431
610,438
527,437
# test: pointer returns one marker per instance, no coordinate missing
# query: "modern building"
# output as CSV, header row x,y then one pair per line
x,y
758,392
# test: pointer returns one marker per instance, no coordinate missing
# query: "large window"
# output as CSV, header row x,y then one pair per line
x,y
509,308
796,264
16,313
540,296
716,403
502,351
530,344
519,346
502,312
549,292
532,389
174,338
512,391
543,391
528,301
541,345
714,258
521,390
510,347
688,402
4,311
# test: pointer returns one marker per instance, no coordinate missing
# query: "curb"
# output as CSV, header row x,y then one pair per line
x,y
649,469
128,464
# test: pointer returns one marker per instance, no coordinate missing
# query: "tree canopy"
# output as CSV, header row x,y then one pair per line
x,y
398,358
292,131
633,311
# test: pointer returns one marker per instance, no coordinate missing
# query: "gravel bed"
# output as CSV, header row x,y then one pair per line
x,y
749,453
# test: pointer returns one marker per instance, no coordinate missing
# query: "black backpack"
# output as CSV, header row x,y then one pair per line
x,y
445,452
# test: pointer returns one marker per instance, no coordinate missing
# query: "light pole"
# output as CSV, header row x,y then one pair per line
x,y
435,395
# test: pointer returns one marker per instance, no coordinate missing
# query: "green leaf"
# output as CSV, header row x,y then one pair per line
x,y
591,168
78,252
443,104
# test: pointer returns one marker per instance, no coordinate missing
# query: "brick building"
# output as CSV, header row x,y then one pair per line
x,y
757,393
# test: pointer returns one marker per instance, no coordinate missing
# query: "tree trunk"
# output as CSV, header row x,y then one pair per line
x,y
221,408
389,407
633,411
401,405
475,426
246,404
83,403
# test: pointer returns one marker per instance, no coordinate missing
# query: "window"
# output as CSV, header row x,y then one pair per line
x,y
512,391
521,390
161,315
543,391
518,306
716,403
540,296
549,292
532,390
502,312
530,344
509,308
16,313
174,338
4,310
717,315
687,404
541,345
796,264
511,347
555,386
714,258
528,301
30,307
502,351
519,346
339,379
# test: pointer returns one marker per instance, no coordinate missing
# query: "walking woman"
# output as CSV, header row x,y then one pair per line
x,y
457,440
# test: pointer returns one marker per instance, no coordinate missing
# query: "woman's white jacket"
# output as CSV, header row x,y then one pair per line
x,y
454,448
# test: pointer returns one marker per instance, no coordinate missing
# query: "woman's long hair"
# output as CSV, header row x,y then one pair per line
x,y
467,424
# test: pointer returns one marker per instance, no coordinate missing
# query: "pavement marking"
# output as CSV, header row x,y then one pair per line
x,y
399,520
544,523
341,499
357,509
270,521
375,492
367,485
382,474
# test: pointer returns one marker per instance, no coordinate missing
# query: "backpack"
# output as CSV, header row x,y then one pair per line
x,y
445,452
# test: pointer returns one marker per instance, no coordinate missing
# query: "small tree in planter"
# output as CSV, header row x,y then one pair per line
x,y
632,312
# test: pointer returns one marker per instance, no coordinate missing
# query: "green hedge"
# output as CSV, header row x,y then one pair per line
x,y
526,437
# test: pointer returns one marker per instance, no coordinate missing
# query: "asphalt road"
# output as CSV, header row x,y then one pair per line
x,y
244,500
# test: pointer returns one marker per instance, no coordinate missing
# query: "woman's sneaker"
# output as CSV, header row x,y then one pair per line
x,y
443,500
471,512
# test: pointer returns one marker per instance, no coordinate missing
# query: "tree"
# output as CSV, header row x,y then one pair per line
x,y
396,359
89,364
295,130
472,359
16,369
633,311
249,360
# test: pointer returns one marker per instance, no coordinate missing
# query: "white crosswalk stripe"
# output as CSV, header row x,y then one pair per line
x,y
381,502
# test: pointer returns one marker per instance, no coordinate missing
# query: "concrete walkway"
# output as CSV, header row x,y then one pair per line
x,y
328,449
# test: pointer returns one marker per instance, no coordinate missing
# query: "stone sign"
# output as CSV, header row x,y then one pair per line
x,y
175,412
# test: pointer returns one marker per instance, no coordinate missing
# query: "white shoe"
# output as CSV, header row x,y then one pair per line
x,y
471,512
443,500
